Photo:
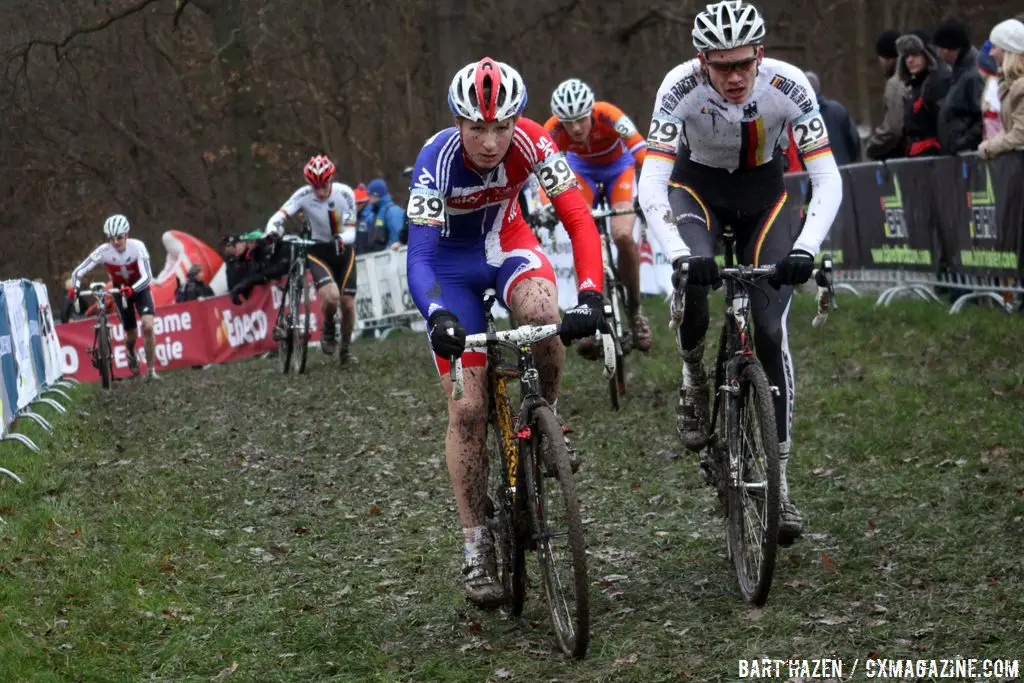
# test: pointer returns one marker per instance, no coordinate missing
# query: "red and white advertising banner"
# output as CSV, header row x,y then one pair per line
x,y
194,333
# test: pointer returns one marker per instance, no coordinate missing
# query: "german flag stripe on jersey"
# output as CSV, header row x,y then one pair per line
x,y
776,210
752,143
332,219
658,154
815,153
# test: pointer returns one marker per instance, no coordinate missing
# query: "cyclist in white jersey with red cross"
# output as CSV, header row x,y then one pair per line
x,y
715,158
330,212
126,260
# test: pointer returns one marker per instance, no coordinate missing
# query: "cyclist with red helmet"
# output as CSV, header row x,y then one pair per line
x,y
467,235
330,216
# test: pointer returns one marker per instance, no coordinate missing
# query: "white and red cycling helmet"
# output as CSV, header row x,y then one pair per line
x,y
319,171
502,89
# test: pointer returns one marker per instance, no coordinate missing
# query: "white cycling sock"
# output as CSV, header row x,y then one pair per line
x,y
784,449
476,540
693,360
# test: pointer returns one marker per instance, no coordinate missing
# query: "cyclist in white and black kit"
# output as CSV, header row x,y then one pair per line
x,y
715,158
126,260
330,211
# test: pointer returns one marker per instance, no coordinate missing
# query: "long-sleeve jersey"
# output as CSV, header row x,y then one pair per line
x,y
129,267
452,202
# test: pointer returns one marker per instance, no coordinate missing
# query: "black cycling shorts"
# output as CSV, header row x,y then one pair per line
x,y
141,302
332,262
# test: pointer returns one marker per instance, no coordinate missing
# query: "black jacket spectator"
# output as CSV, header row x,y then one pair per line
x,y
886,141
193,288
269,260
925,91
960,118
842,131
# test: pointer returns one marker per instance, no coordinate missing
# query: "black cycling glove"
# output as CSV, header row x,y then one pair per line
x,y
447,335
701,271
583,320
795,269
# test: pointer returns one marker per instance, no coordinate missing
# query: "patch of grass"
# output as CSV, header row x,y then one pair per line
x,y
236,524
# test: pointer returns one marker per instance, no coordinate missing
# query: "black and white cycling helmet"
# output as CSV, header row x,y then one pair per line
x,y
573,99
115,226
728,24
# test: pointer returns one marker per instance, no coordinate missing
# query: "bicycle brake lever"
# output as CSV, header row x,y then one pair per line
x,y
455,374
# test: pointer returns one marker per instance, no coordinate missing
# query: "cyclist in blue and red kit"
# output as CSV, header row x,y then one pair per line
x,y
467,234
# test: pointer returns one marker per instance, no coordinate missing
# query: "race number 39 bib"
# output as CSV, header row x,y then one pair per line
x,y
554,175
426,207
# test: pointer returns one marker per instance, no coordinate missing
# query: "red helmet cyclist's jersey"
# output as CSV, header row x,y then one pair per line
x,y
612,134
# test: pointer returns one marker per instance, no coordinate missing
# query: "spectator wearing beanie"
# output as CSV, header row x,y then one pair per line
x,y
1008,50
382,220
886,141
960,118
927,79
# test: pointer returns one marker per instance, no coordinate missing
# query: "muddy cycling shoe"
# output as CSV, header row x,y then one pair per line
x,y
692,412
483,588
345,357
589,348
151,375
791,523
328,345
642,337
133,364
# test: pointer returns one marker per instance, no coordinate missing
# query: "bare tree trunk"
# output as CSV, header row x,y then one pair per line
x,y
235,59
452,37
863,48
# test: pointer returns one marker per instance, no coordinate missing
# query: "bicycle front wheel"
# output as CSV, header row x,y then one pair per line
x,y
103,354
558,531
285,316
505,511
302,315
752,521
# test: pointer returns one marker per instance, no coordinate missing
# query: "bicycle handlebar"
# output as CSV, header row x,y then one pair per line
x,y
526,334
295,239
598,214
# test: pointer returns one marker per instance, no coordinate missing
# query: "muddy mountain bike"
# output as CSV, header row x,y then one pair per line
x,y
532,501
101,352
741,459
615,307
292,328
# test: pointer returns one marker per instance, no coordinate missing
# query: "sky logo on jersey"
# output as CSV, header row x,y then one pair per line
x,y
546,146
424,179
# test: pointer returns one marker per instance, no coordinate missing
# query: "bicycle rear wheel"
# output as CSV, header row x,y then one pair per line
x,y
558,531
504,512
106,366
285,316
302,315
752,521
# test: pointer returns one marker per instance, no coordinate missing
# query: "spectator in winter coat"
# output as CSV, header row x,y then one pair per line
x,y
193,287
382,220
927,79
960,118
1008,51
886,142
